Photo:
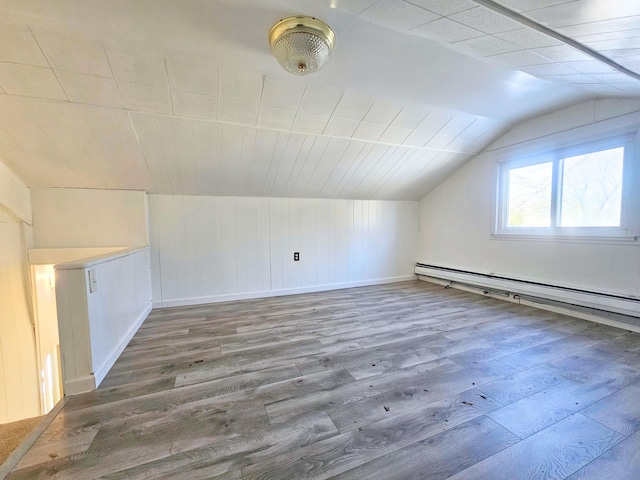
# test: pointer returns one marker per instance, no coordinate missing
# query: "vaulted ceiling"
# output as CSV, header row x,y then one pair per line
x,y
184,96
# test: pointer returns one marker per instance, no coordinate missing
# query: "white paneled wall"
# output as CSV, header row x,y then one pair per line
x,y
208,249
96,324
65,217
456,218
19,397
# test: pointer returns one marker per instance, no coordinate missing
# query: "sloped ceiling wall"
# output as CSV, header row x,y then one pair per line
x,y
184,97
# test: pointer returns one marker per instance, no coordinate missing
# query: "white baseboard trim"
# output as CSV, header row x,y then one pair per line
x,y
79,385
101,371
182,302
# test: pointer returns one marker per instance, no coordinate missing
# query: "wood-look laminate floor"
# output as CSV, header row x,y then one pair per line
x,y
399,381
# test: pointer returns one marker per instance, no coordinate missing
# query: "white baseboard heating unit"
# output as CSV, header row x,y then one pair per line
x,y
600,307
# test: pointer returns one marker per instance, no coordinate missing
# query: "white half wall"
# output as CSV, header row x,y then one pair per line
x,y
456,219
66,217
207,249
98,319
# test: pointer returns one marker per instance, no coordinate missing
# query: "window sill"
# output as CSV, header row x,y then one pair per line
x,y
610,239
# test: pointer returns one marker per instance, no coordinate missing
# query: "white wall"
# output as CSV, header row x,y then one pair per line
x,y
456,218
18,372
97,325
65,217
207,249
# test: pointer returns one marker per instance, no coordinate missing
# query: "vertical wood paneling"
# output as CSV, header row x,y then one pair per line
x,y
229,245
210,259
19,386
308,242
239,246
277,239
323,233
193,250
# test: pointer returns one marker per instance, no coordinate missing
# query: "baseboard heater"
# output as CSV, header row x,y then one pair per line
x,y
612,307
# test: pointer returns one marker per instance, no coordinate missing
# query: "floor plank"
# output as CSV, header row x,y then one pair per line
x,y
405,380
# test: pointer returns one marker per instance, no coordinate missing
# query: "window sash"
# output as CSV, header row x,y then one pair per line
x,y
627,226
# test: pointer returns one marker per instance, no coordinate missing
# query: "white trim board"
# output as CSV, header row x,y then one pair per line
x,y
277,293
102,369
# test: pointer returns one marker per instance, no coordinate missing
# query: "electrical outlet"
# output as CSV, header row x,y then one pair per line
x,y
296,256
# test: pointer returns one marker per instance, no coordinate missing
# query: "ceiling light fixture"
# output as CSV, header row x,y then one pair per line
x,y
302,45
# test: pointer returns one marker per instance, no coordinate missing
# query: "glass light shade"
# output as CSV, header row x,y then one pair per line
x,y
302,45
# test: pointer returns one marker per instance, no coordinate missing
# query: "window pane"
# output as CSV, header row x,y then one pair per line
x,y
592,189
530,196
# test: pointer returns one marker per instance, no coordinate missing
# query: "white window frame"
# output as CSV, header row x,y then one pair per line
x,y
554,152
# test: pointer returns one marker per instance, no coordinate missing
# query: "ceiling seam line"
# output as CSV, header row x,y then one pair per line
x,y
496,7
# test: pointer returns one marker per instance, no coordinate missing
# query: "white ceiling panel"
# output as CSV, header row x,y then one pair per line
x,y
448,30
445,7
140,67
18,45
207,139
283,93
487,46
54,124
369,131
30,81
145,98
399,14
35,159
382,113
418,138
73,53
526,5
276,117
90,89
341,127
439,141
237,85
600,26
354,105
395,135
321,98
193,75
485,20
589,66
237,111
133,99
561,53
584,11
550,69
280,175
457,125
521,58
194,105
528,38
310,122
435,120
147,133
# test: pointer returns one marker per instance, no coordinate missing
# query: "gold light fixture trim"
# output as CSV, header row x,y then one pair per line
x,y
301,44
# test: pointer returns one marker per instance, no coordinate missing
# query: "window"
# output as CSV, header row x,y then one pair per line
x,y
580,190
